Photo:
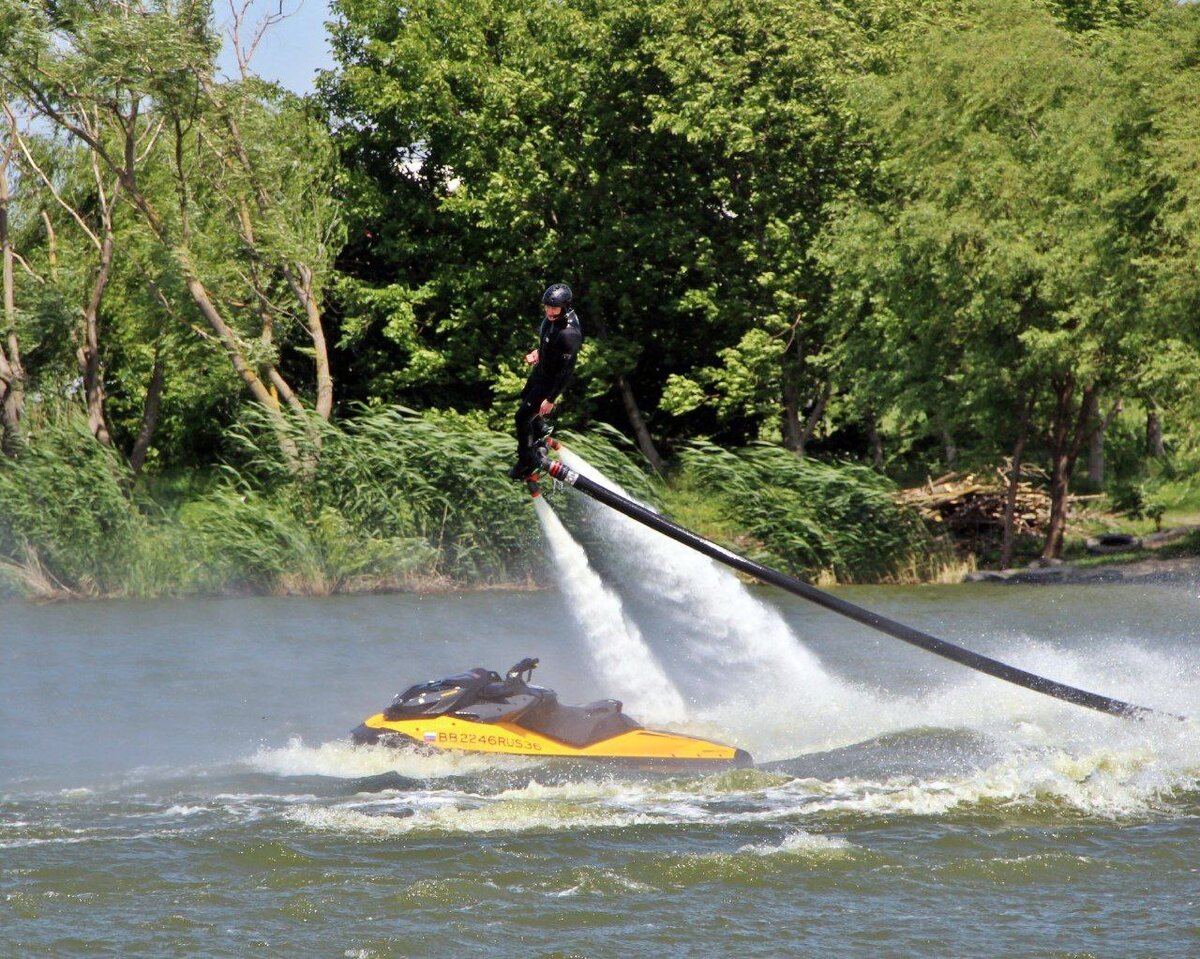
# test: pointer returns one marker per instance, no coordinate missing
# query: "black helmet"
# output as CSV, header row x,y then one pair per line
x,y
557,295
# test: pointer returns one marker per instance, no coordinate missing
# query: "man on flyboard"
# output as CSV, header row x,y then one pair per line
x,y
553,360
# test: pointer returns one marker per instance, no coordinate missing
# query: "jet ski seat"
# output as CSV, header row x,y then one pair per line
x,y
579,725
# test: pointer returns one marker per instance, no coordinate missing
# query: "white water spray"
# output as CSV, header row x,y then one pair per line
x,y
732,628
614,641
775,699
733,634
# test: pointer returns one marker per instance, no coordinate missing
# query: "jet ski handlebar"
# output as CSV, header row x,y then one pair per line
x,y
522,670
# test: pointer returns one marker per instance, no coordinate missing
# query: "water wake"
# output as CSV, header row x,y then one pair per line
x,y
1041,784
617,648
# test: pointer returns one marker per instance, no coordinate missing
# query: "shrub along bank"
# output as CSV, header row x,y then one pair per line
x,y
836,522
394,499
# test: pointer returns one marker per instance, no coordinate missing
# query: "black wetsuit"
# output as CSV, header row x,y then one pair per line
x,y
558,345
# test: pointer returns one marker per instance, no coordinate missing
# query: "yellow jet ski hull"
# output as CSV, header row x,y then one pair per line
x,y
646,747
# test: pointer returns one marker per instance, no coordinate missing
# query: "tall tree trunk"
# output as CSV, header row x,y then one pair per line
x,y
790,375
51,246
201,297
1060,488
151,409
813,420
874,440
796,433
1014,482
266,310
949,447
1154,434
1095,446
12,375
280,386
302,287
1069,429
1096,443
644,440
234,351
89,352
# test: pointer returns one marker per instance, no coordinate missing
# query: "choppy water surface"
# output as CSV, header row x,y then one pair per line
x,y
174,781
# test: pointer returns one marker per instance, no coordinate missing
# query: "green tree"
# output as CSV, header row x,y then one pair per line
x,y
992,274
1159,70
674,162
760,86
230,179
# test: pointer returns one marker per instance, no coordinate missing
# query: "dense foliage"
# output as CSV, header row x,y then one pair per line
x,y
808,516
914,234
401,500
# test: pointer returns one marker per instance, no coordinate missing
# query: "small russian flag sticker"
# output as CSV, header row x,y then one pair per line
x,y
431,737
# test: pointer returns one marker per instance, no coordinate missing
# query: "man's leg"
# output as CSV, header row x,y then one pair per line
x,y
527,414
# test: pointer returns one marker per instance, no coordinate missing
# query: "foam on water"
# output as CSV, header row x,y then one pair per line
x,y
1041,784
622,659
343,760
1042,736
800,842
1101,770
502,817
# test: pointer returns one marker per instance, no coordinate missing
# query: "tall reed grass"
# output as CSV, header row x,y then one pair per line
x,y
69,524
383,500
824,521
384,492
392,499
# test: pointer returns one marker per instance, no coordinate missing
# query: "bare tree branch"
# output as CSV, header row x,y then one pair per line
x,y
151,138
33,164
244,51
51,244
33,274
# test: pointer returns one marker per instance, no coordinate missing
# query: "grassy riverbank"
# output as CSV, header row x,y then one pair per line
x,y
392,499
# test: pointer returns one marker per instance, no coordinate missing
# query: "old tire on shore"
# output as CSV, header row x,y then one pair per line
x,y
1109,543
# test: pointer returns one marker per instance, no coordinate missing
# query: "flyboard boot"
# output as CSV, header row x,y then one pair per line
x,y
527,473
529,468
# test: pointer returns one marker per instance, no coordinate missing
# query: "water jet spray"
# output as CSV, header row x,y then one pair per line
x,y
907,634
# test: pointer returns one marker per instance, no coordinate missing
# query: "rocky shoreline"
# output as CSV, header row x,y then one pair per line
x,y
1184,569
1137,565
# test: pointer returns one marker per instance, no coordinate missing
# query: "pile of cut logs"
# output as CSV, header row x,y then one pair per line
x,y
970,507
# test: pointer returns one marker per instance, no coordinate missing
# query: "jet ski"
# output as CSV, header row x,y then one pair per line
x,y
480,711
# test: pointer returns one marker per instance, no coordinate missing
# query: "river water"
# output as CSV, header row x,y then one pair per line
x,y
175,780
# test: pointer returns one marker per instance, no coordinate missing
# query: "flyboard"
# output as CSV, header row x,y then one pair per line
x,y
993,667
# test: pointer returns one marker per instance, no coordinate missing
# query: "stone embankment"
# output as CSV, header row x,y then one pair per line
x,y
1139,565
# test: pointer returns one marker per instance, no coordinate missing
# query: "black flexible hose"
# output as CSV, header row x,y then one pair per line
x,y
940,647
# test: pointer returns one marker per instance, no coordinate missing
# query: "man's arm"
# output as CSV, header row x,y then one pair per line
x,y
571,340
